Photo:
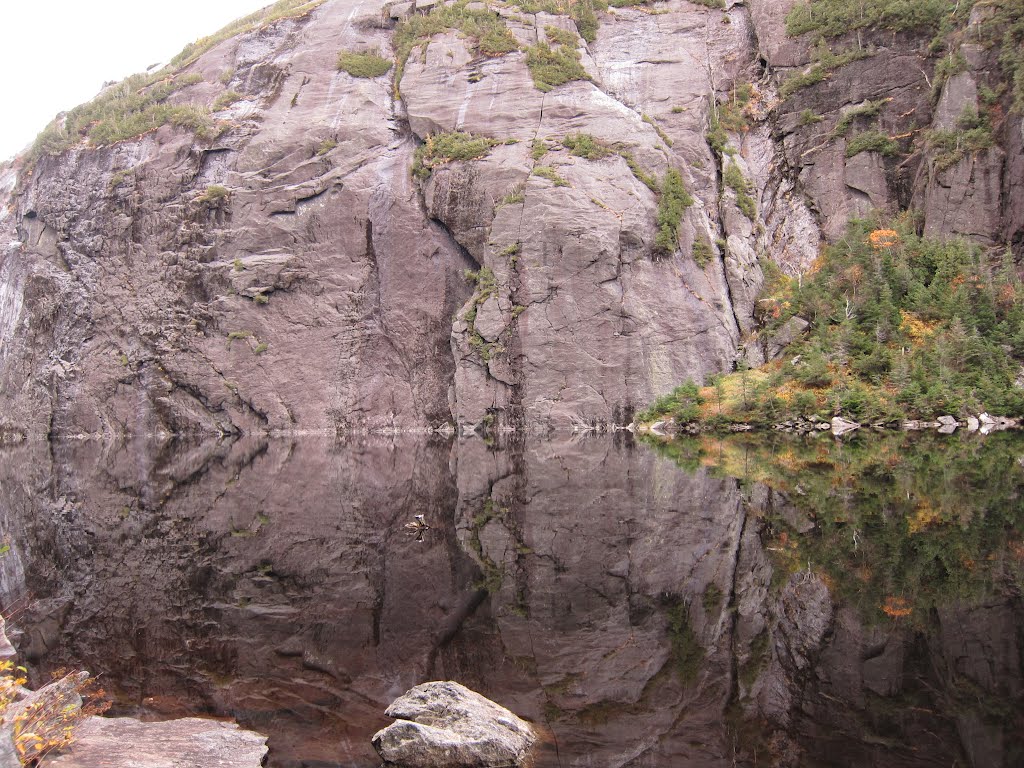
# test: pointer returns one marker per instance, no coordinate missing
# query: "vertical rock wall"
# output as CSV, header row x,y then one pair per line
x,y
325,290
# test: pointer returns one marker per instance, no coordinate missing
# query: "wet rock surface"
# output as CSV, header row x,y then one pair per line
x,y
619,605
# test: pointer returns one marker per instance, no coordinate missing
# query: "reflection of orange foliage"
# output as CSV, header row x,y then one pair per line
x,y
883,238
1018,549
897,607
924,516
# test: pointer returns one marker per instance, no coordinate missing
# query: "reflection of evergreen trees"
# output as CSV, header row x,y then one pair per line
x,y
902,523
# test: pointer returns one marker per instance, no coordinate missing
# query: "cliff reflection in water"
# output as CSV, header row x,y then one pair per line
x,y
702,603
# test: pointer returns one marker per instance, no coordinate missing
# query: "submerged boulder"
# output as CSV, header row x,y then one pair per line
x,y
446,725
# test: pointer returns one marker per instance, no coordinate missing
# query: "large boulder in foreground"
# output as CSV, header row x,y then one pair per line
x,y
123,742
446,725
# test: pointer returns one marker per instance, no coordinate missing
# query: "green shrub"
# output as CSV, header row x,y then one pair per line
x,y
682,403
810,117
866,111
641,175
973,134
549,173
826,62
497,41
560,36
225,100
833,18
214,195
441,148
738,183
552,67
586,146
583,13
732,114
363,64
325,146
131,108
872,141
673,203
486,31
702,253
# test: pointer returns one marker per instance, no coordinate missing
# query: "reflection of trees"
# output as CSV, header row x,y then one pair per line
x,y
901,524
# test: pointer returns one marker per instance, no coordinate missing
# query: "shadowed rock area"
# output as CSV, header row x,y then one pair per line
x,y
633,612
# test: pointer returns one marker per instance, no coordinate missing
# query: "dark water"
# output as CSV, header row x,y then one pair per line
x,y
704,603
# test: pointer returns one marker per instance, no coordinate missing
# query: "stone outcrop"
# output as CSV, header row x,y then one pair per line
x,y
446,725
325,291
122,742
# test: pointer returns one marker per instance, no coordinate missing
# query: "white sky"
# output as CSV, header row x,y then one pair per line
x,y
55,54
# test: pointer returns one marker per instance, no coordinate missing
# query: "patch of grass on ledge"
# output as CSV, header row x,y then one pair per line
x,y
365,64
900,327
441,148
552,67
872,141
290,9
488,32
132,107
825,63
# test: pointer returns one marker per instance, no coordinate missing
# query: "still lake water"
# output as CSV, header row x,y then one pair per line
x,y
709,602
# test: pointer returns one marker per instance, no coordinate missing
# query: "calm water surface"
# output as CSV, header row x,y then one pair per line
x,y
708,602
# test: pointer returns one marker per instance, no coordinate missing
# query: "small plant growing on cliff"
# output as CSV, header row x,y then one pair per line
x,y
872,141
325,146
441,148
215,195
552,67
365,64
549,173
225,100
702,253
973,134
674,201
586,146
826,62
738,183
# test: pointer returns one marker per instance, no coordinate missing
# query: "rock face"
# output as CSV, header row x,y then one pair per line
x,y
325,289
446,725
122,742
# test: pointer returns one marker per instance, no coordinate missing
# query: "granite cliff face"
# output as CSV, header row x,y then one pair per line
x,y
325,290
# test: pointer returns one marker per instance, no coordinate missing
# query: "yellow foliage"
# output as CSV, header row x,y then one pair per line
x,y
916,328
884,238
924,516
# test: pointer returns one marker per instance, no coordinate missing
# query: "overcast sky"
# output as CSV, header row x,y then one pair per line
x,y
55,54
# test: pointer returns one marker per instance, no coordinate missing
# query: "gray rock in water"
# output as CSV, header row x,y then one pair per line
x,y
446,725
841,426
123,742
